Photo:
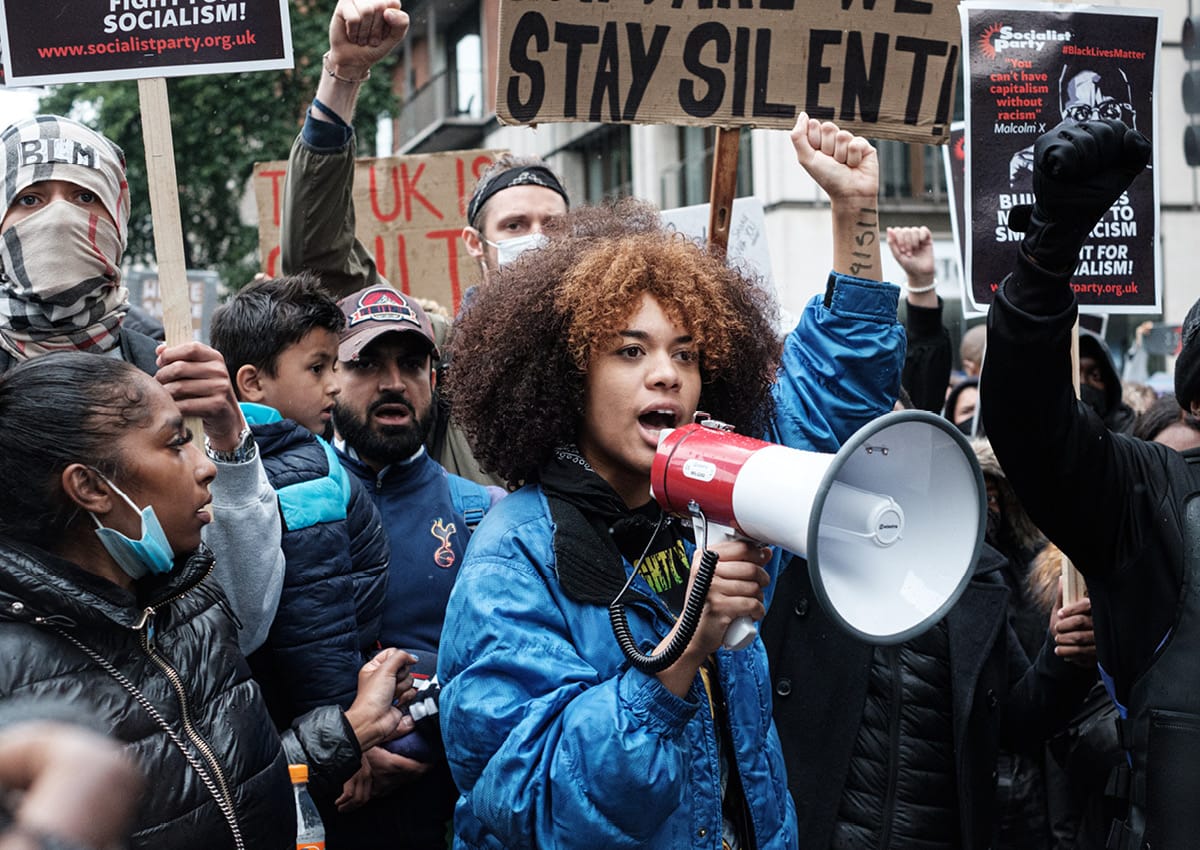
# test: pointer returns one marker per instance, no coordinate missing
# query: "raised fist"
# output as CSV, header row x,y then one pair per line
x,y
1079,171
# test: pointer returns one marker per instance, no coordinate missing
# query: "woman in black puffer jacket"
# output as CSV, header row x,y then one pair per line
x,y
106,604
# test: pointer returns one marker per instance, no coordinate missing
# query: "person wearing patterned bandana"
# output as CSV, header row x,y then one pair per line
x,y
512,201
61,242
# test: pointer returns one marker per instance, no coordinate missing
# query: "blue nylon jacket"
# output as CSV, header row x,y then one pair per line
x,y
553,740
336,572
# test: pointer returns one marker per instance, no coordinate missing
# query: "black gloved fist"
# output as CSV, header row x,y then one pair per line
x,y
1079,171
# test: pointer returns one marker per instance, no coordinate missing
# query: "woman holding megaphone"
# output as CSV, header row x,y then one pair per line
x,y
569,365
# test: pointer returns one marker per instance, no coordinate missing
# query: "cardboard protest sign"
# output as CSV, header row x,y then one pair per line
x,y
409,212
46,43
747,247
1032,67
885,68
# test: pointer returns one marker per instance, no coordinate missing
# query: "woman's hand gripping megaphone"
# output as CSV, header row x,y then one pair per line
x,y
724,600
735,598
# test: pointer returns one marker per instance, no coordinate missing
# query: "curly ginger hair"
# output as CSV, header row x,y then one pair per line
x,y
520,352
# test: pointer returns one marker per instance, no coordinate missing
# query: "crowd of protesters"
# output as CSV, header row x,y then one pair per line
x,y
393,508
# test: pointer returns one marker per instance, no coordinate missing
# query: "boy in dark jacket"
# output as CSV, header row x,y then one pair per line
x,y
280,343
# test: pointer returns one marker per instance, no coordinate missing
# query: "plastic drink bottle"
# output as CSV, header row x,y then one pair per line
x,y
310,832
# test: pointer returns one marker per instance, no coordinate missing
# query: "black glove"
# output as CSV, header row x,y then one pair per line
x,y
1079,171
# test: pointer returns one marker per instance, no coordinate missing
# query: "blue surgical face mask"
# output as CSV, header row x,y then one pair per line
x,y
150,554
508,250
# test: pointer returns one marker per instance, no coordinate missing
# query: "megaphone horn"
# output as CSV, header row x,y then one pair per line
x,y
891,525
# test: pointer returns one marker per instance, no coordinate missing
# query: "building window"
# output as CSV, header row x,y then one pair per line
x,y
688,180
915,172
909,171
441,78
465,62
606,158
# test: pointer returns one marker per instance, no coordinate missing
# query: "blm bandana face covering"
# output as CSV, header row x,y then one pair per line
x,y
61,282
49,147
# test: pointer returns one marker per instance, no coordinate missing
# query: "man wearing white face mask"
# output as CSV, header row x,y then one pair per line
x,y
64,230
510,249
513,199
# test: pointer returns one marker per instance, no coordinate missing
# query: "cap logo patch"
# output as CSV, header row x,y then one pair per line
x,y
383,305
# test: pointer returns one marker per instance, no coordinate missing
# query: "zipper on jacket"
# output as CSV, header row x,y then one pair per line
x,y
225,804
146,623
892,654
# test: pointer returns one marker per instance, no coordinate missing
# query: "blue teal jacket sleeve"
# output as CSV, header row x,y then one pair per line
x,y
841,365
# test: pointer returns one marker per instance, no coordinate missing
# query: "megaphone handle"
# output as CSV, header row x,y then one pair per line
x,y
740,634
742,631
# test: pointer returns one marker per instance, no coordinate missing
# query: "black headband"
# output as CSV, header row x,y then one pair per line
x,y
521,175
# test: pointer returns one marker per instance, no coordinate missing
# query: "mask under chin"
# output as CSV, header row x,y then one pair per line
x,y
151,552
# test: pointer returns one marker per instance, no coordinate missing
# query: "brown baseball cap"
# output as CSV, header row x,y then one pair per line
x,y
378,310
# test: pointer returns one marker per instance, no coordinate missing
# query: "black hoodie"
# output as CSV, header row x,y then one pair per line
x,y
1117,415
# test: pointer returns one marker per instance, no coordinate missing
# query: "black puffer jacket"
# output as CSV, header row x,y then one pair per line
x,y
900,784
997,697
175,642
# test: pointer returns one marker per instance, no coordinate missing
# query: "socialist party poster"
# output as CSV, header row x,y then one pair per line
x,y
1032,67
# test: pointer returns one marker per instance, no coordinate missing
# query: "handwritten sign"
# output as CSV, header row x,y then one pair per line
x,y
409,212
883,68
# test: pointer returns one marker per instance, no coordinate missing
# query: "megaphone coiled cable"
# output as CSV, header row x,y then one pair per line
x,y
655,663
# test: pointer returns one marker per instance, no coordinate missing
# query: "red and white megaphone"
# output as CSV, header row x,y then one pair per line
x,y
891,525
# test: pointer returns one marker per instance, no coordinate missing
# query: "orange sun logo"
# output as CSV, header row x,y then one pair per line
x,y
985,41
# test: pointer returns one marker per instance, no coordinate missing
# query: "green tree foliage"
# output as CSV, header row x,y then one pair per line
x,y
221,125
